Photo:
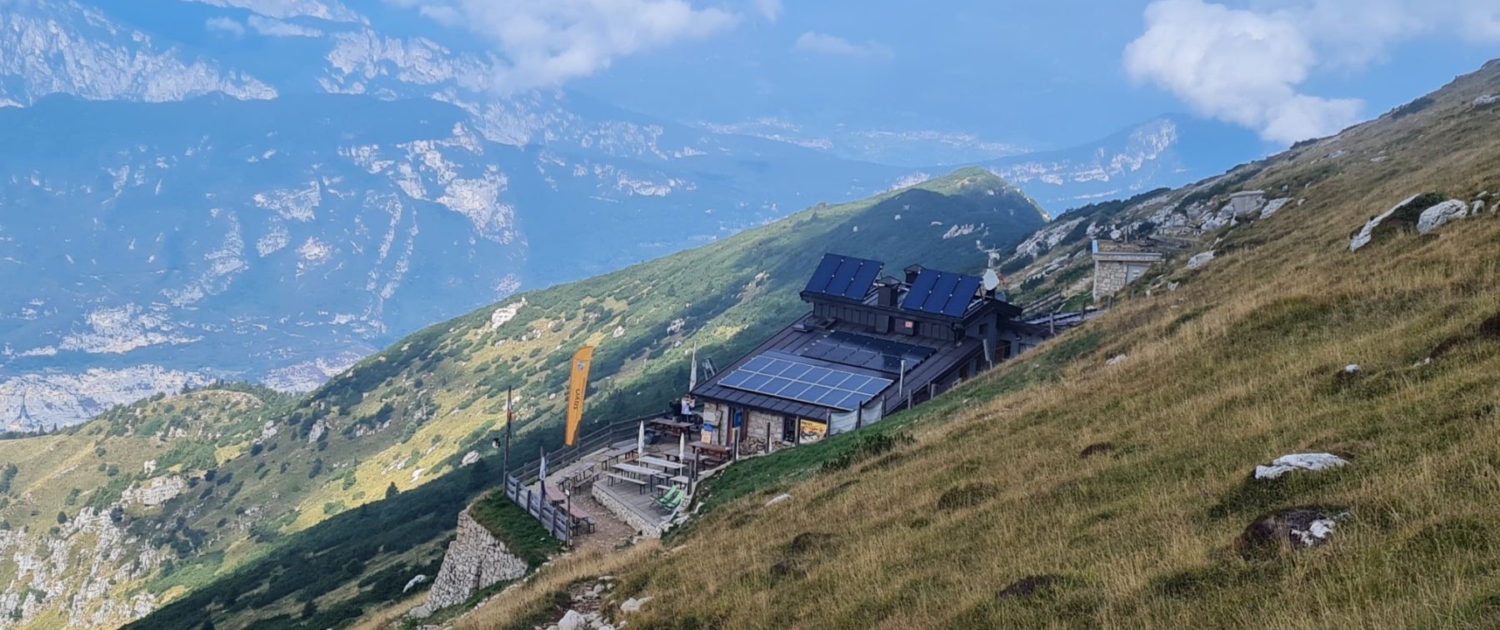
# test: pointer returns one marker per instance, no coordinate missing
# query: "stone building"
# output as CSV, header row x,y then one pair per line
x,y
1116,267
1245,203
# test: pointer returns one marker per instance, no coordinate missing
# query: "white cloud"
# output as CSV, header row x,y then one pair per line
x,y
833,45
225,25
549,42
1249,66
277,28
769,9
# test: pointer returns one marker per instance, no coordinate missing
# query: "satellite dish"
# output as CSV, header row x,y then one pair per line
x,y
991,280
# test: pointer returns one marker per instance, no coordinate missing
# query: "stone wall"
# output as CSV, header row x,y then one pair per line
x,y
475,561
1109,278
647,527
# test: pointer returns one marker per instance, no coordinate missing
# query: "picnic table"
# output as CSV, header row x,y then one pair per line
x,y
711,454
642,482
579,516
657,461
673,428
615,454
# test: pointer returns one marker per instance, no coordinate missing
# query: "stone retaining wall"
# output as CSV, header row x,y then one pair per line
x,y
647,528
475,561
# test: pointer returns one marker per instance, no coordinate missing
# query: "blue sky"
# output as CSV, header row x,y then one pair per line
x,y
1038,73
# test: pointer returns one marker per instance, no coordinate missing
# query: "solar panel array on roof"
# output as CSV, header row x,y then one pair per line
x,y
844,277
793,379
867,352
941,293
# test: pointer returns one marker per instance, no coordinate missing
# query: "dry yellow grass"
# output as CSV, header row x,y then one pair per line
x,y
1237,367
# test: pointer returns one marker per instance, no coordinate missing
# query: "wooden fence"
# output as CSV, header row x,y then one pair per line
x,y
558,521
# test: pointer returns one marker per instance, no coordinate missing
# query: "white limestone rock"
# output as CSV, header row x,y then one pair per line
x,y
419,579
634,605
1198,262
1116,360
318,430
156,493
779,499
572,620
1441,214
1274,206
1300,461
1368,231
471,458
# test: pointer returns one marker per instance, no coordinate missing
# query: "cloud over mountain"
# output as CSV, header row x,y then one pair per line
x,y
546,43
1250,66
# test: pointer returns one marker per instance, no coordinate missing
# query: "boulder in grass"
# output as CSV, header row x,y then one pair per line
x,y
1292,529
1198,261
1367,233
1441,214
1299,461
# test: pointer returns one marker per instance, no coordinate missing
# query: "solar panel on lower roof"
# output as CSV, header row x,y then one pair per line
x,y
866,352
812,384
844,276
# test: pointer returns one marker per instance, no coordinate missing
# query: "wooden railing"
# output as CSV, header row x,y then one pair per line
x,y
558,521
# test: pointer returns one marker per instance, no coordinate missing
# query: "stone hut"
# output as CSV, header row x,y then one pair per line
x,y
1117,266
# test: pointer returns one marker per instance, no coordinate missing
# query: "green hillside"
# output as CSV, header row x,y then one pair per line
x,y
1105,480
363,476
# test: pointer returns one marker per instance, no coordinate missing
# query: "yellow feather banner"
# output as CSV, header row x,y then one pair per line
x,y
578,386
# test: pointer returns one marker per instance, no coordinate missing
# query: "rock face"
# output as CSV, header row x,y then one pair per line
x,y
157,493
1197,262
1300,461
1441,214
475,561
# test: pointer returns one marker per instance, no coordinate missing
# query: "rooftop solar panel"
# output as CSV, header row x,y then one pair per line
x,y
863,280
941,293
844,277
916,296
968,286
824,274
816,385
866,352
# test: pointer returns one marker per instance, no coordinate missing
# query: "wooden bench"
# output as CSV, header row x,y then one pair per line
x,y
638,482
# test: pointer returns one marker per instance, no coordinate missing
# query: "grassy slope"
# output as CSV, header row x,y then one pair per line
x,y
1238,366
432,397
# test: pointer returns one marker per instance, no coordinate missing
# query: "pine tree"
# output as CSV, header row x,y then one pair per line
x,y
391,490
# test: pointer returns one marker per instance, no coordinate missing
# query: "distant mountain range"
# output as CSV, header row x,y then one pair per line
x,y
268,190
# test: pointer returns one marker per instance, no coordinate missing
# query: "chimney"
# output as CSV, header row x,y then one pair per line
x,y
885,292
912,272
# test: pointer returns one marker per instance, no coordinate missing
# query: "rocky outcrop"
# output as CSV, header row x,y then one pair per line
x,y
1367,233
1200,260
156,493
475,561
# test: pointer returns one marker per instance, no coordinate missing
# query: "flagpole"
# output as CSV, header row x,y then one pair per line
x,y
510,422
